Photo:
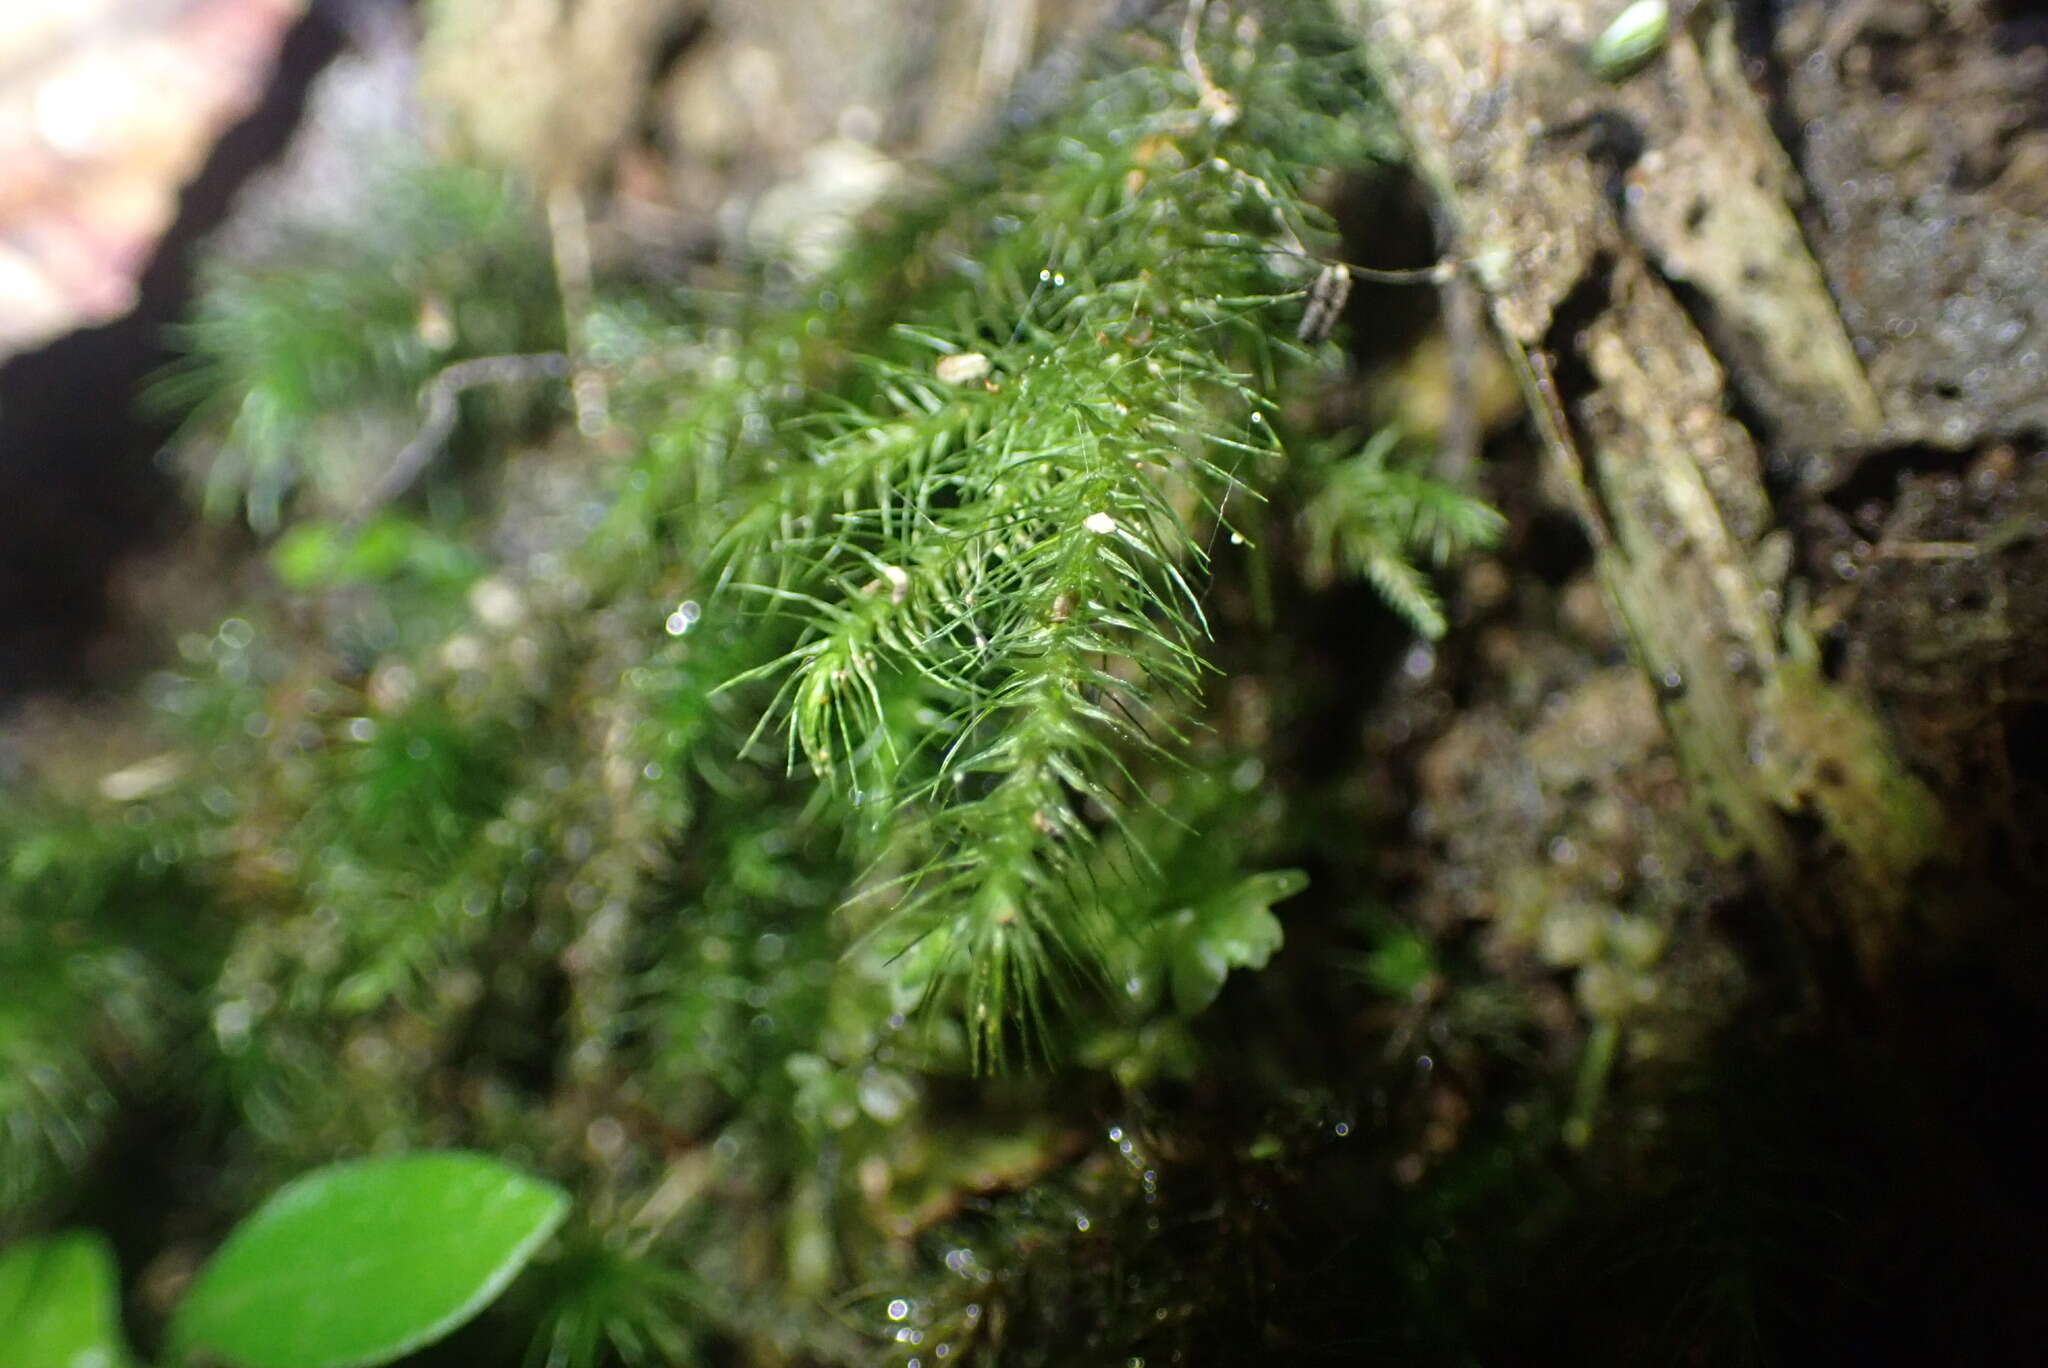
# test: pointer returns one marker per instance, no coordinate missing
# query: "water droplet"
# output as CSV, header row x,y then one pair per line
x,y
684,617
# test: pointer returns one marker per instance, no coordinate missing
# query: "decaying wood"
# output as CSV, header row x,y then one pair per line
x,y
1578,205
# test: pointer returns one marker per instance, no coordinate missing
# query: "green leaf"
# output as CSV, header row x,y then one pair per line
x,y
359,1263
308,555
1632,41
1235,929
315,555
1401,964
58,1304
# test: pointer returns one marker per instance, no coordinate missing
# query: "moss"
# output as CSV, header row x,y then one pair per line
x,y
706,840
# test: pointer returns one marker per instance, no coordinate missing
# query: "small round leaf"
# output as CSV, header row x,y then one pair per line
x,y
360,1263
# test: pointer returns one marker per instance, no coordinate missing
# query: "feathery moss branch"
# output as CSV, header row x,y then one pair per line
x,y
994,562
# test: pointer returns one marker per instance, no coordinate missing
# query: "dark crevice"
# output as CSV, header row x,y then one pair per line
x,y
671,46
1384,219
1878,474
1756,35
1608,139
1552,547
79,489
1571,376
1588,299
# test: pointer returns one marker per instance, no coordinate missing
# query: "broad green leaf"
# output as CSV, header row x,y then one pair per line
x,y
359,1263
59,1304
1236,929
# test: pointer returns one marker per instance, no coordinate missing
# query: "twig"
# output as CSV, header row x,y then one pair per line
x,y
1463,337
1044,89
1436,274
1215,101
1328,293
1925,550
569,236
440,397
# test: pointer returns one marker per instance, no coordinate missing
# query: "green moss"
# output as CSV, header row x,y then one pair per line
x,y
709,850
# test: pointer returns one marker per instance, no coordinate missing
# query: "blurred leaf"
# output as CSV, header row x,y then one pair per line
x,y
601,1305
59,1305
307,555
1234,930
360,1263
1400,964
314,555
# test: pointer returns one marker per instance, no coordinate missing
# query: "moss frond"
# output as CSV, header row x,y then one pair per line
x,y
1376,519
993,549
99,952
600,1305
285,367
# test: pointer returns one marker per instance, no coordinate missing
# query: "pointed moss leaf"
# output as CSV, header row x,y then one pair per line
x,y
1236,929
359,1263
59,1304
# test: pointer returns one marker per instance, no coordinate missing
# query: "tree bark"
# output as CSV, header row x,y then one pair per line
x,y
1647,269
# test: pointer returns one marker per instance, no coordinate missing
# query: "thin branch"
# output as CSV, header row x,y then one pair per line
x,y
441,395
1216,102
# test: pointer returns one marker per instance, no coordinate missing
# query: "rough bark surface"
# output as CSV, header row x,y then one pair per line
x,y
1646,266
